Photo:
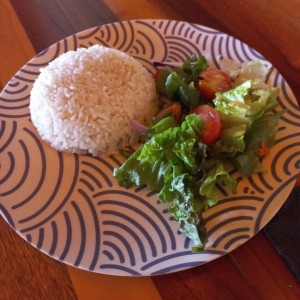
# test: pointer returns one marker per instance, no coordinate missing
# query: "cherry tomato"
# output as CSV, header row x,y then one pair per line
x,y
213,81
212,123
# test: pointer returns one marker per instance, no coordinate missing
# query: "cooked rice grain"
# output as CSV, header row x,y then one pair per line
x,y
83,100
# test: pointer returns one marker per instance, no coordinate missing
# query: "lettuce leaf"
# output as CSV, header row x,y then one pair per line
x,y
208,186
175,165
262,131
248,120
231,141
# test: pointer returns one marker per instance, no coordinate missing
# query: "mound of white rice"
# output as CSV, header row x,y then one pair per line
x,y
83,100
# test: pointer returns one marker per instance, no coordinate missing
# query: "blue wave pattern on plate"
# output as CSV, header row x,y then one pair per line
x,y
71,208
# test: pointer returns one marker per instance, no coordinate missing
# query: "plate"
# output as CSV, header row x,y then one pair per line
x,y
71,208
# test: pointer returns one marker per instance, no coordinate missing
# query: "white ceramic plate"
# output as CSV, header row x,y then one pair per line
x,y
70,207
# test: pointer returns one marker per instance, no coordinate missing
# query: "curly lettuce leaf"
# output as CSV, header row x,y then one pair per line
x,y
232,106
243,104
158,127
262,131
208,187
175,165
249,120
231,140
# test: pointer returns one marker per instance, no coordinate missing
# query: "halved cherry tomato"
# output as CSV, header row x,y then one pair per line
x,y
213,81
212,125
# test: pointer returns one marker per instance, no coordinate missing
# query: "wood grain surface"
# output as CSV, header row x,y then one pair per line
x,y
254,270
27,273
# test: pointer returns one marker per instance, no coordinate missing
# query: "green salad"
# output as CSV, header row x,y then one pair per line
x,y
211,121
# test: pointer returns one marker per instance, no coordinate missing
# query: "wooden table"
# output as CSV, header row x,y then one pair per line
x,y
254,270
